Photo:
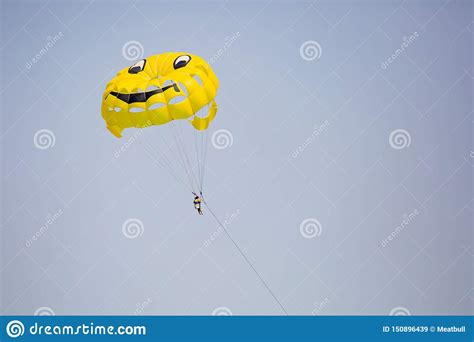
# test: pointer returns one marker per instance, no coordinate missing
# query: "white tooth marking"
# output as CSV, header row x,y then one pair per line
x,y
183,89
156,105
168,83
152,87
177,99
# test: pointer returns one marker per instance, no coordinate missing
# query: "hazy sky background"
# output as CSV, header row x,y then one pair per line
x,y
345,123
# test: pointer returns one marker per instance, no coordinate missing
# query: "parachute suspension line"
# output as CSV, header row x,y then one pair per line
x,y
184,157
191,168
180,160
198,160
180,154
199,146
170,164
205,143
171,171
245,258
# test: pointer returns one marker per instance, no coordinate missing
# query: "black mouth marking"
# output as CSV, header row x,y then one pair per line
x,y
142,97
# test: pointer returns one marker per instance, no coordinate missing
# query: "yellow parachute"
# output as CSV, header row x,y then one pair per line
x,y
159,89
167,89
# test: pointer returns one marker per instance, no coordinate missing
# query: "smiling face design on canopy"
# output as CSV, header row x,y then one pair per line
x,y
159,89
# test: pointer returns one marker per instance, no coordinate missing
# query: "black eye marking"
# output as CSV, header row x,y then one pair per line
x,y
181,61
137,67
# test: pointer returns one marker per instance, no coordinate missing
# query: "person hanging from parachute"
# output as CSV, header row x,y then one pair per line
x,y
166,89
197,203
